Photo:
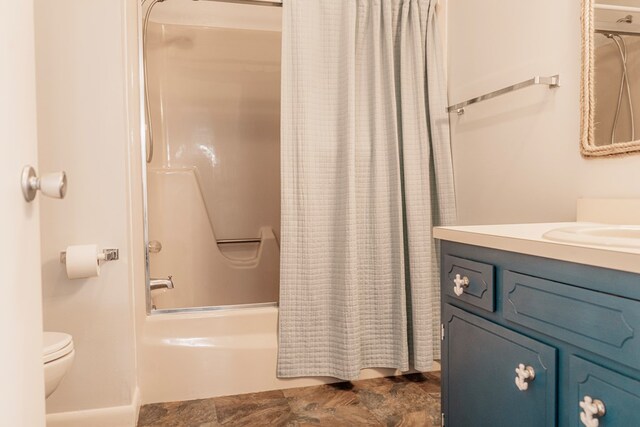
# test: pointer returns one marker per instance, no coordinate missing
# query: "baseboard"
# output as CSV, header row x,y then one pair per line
x,y
116,416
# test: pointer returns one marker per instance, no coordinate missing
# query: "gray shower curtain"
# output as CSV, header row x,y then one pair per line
x,y
366,173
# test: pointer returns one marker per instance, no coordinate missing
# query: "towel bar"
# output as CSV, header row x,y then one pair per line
x,y
552,81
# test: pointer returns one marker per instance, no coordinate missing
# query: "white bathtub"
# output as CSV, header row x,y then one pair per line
x,y
215,353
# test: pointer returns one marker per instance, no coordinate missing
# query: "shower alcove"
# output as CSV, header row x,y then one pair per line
x,y
213,201
212,174
213,180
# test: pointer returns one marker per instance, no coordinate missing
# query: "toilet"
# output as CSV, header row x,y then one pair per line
x,y
58,354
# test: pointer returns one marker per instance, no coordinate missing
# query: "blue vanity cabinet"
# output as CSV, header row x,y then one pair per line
x,y
571,332
480,360
617,396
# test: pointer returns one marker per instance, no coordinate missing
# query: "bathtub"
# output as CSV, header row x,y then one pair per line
x,y
201,354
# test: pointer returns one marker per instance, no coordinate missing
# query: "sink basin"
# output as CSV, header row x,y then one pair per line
x,y
621,236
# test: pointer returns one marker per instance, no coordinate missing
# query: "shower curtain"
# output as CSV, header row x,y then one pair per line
x,y
366,173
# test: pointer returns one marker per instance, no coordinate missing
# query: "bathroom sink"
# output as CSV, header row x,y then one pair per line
x,y
622,236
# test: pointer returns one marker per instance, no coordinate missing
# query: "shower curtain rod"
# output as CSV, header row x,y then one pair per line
x,y
275,3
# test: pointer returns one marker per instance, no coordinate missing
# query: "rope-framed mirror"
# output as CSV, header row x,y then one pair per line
x,y
610,84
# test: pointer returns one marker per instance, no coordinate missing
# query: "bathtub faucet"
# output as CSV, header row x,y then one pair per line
x,y
161,283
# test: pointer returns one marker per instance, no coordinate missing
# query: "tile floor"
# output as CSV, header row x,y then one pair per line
x,y
410,400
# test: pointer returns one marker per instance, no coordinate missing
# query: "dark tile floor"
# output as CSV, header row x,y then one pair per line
x,y
410,400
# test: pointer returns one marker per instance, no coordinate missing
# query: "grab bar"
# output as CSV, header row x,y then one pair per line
x,y
229,241
552,81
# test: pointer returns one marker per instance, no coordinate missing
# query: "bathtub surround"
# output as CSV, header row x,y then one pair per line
x,y
215,175
366,172
205,274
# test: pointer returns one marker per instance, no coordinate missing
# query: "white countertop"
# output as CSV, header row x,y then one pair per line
x,y
527,239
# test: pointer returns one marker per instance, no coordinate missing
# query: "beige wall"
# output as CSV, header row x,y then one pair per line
x,y
516,158
87,125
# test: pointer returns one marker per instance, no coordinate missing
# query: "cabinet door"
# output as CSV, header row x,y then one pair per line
x,y
479,375
620,395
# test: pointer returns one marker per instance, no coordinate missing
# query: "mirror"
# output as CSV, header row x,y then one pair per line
x,y
610,91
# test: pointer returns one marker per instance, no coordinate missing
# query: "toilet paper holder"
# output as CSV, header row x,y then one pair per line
x,y
105,255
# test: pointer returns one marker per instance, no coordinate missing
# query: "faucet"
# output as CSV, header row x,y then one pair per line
x,y
161,283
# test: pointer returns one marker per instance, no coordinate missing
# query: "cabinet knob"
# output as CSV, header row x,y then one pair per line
x,y
526,374
592,410
460,284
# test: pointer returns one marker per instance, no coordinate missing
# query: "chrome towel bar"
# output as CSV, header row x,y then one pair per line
x,y
552,82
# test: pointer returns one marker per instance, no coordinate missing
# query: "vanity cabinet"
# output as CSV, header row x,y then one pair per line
x,y
531,341
482,357
620,394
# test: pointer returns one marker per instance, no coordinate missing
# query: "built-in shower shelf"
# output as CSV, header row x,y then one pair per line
x,y
231,241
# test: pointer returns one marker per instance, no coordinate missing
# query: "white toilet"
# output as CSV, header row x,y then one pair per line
x,y
58,354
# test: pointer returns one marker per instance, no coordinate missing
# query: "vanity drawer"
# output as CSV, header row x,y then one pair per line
x,y
469,281
619,395
601,323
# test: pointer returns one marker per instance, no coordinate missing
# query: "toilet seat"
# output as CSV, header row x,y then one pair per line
x,y
55,346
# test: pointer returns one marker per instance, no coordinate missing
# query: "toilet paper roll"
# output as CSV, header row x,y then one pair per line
x,y
82,261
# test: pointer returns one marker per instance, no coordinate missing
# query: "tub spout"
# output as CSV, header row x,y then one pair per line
x,y
161,283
